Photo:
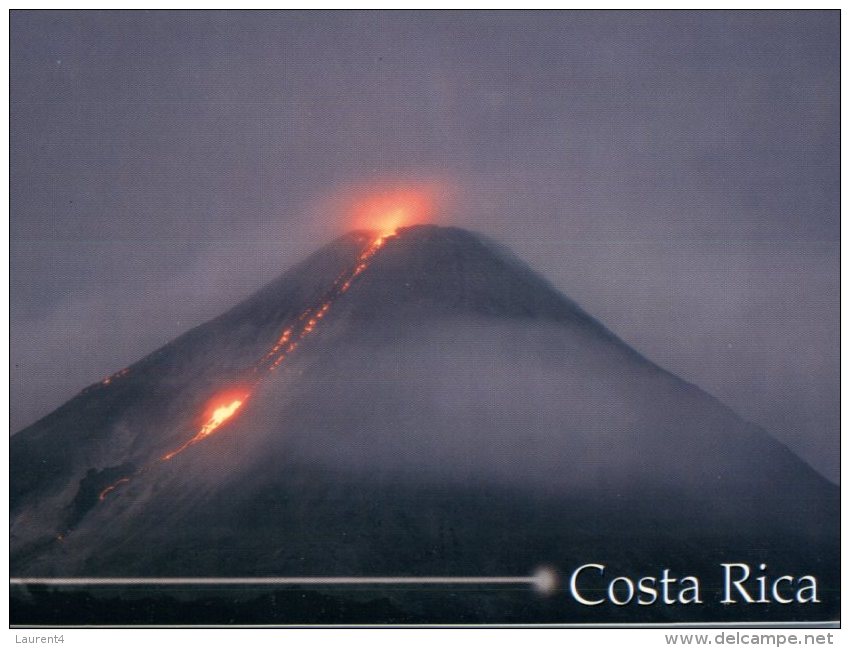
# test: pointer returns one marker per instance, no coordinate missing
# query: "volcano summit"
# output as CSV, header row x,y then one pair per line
x,y
413,404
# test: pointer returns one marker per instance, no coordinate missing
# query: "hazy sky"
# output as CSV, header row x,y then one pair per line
x,y
675,173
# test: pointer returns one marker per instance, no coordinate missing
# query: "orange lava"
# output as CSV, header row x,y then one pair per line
x,y
381,213
219,416
219,412
308,320
109,379
225,406
111,488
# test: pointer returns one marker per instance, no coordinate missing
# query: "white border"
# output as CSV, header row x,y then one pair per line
x,y
320,635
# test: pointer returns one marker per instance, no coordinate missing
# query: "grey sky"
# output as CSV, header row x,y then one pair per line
x,y
675,173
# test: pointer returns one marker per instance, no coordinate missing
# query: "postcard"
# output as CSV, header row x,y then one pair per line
x,y
424,318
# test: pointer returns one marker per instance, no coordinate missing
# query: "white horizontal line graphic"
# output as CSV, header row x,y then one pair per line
x,y
544,580
286,580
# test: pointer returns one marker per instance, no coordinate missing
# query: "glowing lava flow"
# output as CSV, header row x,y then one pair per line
x,y
224,407
307,321
111,488
219,416
114,376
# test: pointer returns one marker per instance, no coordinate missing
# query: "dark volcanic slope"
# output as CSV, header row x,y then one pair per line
x,y
452,413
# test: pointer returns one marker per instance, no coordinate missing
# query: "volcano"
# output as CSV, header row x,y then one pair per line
x,y
414,403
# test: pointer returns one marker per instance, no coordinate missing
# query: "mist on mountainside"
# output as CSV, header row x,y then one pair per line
x,y
390,388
